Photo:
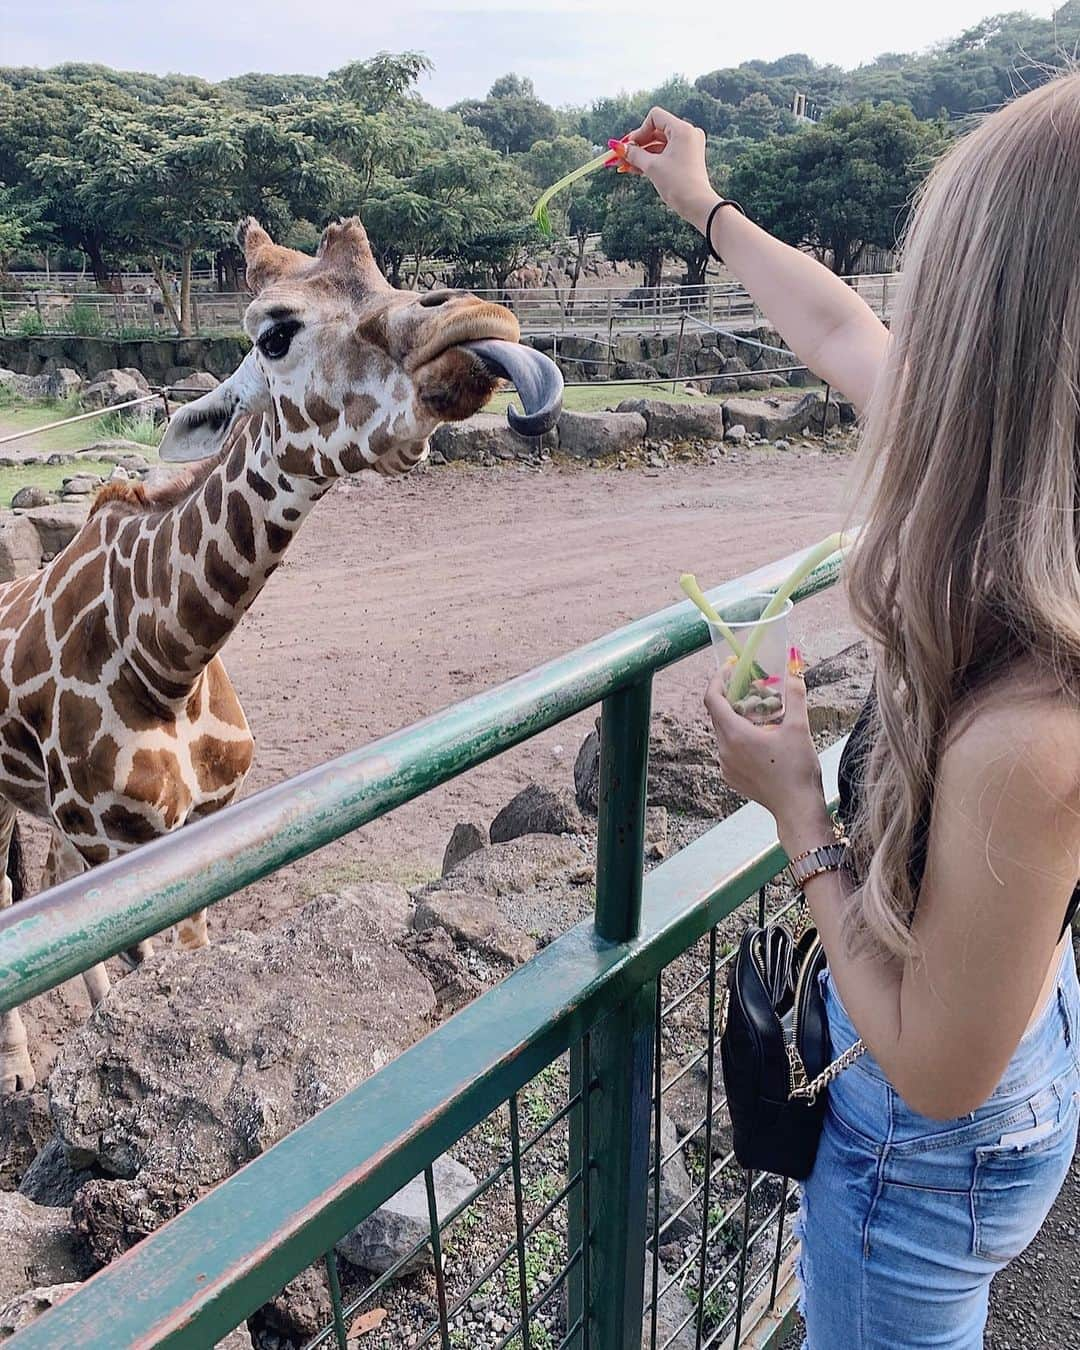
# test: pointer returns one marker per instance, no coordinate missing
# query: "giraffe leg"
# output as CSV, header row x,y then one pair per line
x,y
64,862
16,1071
191,933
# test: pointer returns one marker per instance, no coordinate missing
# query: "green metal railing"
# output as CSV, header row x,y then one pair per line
x,y
581,1261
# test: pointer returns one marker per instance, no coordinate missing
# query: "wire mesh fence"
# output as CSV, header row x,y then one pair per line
x,y
493,1268
541,309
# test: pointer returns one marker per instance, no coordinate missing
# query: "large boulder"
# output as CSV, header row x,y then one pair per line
x,y
25,1128
467,837
684,772
19,1312
385,1237
193,386
774,417
22,386
482,437
475,921
521,865
62,383
30,496
537,809
110,387
56,526
37,1246
678,421
20,547
598,435
676,1189
676,1329
197,1062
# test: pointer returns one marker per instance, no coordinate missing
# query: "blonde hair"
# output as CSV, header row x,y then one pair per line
x,y
969,565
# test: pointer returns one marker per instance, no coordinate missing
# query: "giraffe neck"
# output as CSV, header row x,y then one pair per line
x,y
182,579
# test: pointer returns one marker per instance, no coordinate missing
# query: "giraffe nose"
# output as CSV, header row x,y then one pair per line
x,y
433,299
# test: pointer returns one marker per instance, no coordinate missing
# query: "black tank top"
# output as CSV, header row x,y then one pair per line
x,y
850,781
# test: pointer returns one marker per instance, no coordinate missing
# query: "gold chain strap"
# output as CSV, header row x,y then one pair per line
x,y
831,1071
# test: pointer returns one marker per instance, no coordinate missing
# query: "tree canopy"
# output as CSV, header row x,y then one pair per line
x,y
124,168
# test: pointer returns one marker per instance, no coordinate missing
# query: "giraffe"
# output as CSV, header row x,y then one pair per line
x,y
118,722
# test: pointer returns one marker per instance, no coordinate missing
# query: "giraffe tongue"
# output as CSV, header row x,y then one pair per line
x,y
536,378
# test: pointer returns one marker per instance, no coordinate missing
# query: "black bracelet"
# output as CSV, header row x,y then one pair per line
x,y
724,201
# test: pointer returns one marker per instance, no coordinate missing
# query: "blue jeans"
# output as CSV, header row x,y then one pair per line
x,y
905,1220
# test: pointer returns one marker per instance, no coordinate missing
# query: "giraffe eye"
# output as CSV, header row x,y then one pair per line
x,y
277,339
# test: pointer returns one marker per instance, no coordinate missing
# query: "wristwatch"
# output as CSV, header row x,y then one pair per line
x,y
828,858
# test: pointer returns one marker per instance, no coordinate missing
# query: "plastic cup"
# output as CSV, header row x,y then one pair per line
x,y
763,700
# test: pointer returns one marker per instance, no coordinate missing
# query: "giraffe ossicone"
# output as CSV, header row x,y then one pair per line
x,y
118,722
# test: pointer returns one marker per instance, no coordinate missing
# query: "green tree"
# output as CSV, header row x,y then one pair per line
x,y
842,185
383,81
639,228
20,225
511,119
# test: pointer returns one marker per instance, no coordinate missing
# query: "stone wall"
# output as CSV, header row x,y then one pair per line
x,y
724,364
161,360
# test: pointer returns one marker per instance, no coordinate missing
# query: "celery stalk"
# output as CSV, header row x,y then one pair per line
x,y
540,211
743,672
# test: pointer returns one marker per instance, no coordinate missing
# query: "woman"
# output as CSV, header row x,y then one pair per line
x,y
946,925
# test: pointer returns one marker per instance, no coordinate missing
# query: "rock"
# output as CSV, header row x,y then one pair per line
x,y
37,1246
240,1339
82,483
119,475
684,773
675,1308
656,832
389,1234
837,688
475,921
675,1189
20,547
517,866
25,1128
302,1308
299,1014
484,436
110,387
19,1312
111,1215
466,838
684,1103
22,386
433,953
677,422
773,417
735,434
587,772
56,526
191,386
50,1179
62,383
598,435
537,810
386,906
133,464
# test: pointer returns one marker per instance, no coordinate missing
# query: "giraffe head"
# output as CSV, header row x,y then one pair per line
x,y
352,373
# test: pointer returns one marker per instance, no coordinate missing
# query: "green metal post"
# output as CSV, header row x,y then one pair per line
x,y
607,1288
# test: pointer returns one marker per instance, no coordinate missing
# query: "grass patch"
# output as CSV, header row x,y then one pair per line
x,y
131,425
47,476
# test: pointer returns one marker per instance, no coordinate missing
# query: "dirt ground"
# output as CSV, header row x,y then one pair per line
x,y
402,597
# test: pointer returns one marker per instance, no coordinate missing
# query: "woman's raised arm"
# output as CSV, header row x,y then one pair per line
x,y
822,320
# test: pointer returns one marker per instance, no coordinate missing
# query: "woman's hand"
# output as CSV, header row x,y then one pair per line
x,y
671,155
774,765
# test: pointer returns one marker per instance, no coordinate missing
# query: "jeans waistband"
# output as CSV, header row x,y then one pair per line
x,y
1057,1022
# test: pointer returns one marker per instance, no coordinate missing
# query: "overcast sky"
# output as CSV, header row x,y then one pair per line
x,y
574,52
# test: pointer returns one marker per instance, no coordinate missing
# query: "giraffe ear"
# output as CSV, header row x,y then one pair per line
x,y
198,430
